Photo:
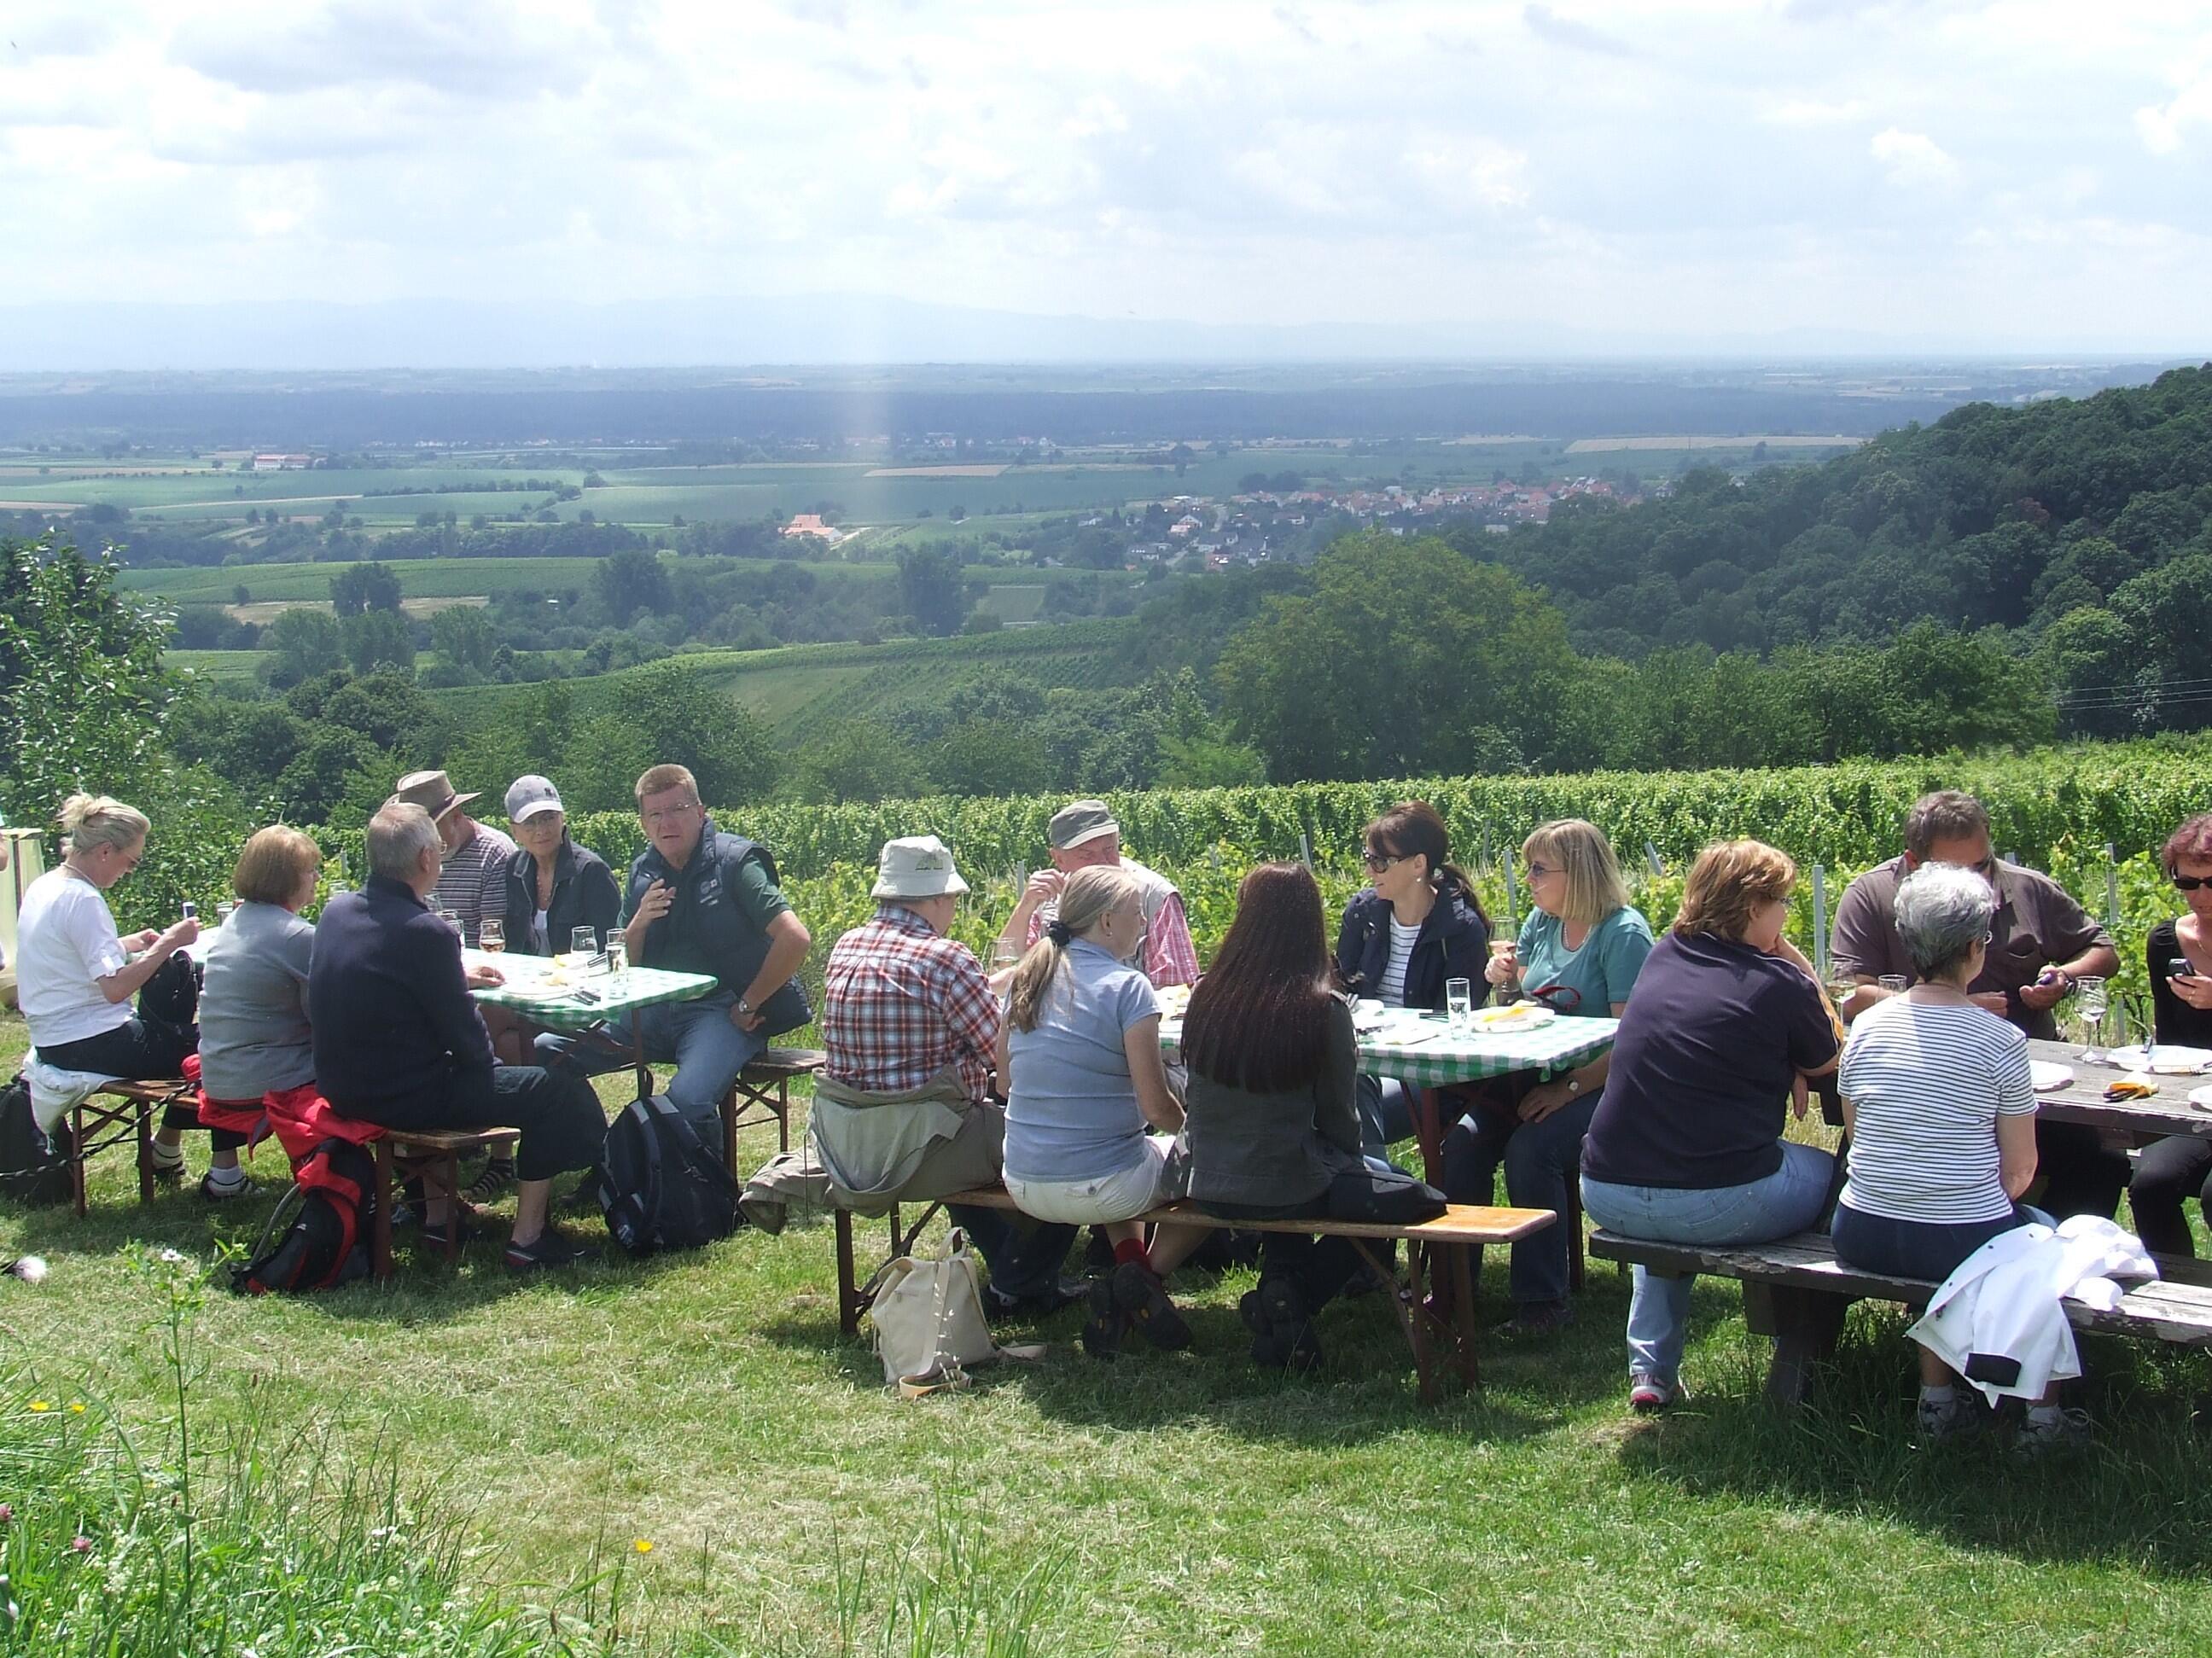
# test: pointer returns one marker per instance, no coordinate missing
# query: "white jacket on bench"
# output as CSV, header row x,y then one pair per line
x,y
1996,1320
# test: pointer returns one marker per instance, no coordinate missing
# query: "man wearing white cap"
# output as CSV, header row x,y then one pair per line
x,y
472,881
1084,833
903,1109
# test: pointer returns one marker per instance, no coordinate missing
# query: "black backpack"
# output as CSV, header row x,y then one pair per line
x,y
335,1193
659,1186
33,1170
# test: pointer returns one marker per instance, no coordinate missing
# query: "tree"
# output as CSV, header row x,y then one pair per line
x,y
464,635
855,760
362,587
377,638
631,580
991,757
929,588
307,643
82,695
662,712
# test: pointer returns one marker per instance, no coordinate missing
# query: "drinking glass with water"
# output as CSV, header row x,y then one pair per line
x,y
1459,1003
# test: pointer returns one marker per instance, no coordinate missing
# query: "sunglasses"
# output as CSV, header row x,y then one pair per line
x,y
2191,882
1379,861
1560,999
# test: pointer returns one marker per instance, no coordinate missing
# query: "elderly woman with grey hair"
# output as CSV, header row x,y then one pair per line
x,y
1941,1113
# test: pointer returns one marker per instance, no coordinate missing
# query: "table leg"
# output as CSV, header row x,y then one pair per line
x,y
1430,1132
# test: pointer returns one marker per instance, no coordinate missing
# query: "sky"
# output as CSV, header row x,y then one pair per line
x,y
1971,175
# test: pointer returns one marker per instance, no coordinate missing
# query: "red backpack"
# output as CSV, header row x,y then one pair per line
x,y
331,1202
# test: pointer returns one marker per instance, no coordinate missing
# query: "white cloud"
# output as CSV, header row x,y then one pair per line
x,y
2164,127
1912,160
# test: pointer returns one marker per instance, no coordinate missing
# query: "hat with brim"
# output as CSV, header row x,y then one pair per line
x,y
433,791
1078,822
917,867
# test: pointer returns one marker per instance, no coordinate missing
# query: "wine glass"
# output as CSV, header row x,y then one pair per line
x,y
584,941
1459,1003
491,934
2090,1002
1004,953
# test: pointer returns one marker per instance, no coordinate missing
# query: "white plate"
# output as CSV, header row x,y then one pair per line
x,y
2050,1078
2168,1059
2202,1097
1518,1015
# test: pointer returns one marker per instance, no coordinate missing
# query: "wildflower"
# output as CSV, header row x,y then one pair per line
x,y
81,1545
76,1408
643,1545
7,1514
170,1258
40,1404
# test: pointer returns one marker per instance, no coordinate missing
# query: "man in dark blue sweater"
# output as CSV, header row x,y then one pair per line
x,y
399,1040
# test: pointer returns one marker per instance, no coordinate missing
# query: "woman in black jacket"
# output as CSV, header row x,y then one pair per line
x,y
2172,1170
554,886
1416,925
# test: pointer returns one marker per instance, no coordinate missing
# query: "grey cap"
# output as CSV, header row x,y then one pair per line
x,y
528,796
1080,820
918,866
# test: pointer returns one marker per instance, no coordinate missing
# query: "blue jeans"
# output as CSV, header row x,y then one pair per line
x,y
697,1037
1386,1116
1788,1200
1539,1159
1024,1255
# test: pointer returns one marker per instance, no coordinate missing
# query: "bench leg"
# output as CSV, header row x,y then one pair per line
x,y
783,1115
1406,1304
449,1169
380,1230
1805,1325
145,1138
77,1143
1459,1262
729,1114
1414,1310
848,1291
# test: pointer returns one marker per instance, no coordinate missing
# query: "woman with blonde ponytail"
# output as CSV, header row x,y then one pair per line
x,y
74,977
1079,1057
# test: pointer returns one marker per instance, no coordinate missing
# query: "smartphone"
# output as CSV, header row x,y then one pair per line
x,y
2179,968
585,996
190,909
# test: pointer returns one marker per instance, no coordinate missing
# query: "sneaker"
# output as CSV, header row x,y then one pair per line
x,y
549,1252
1103,1329
1267,1353
470,1229
2069,1426
1290,1323
1647,1394
1141,1296
1536,1318
998,1307
495,1179
1945,1418
215,1191
170,1172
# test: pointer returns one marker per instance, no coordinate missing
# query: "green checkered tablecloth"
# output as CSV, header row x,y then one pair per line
x,y
642,987
1423,1054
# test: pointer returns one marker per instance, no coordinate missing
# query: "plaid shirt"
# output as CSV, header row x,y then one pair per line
x,y
900,1003
1170,958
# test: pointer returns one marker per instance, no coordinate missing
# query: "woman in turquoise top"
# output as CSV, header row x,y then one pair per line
x,y
1578,954
1079,1058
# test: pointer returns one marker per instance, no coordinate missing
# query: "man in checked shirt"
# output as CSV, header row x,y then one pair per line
x,y
904,1110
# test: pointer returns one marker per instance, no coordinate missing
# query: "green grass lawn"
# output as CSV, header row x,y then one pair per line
x,y
1173,1504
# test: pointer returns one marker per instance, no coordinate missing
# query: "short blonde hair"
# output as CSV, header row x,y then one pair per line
x,y
274,863
1588,872
658,780
94,821
1729,883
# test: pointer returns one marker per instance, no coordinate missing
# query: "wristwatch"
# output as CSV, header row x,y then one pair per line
x,y
743,1006
1574,1084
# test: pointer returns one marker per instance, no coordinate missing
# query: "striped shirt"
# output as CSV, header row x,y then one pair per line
x,y
472,882
1927,1083
1391,992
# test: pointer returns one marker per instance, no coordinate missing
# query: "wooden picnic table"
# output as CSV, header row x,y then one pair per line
x,y
534,1002
2082,1100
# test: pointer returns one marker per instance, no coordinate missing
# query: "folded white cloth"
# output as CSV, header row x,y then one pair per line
x,y
54,1090
1996,1320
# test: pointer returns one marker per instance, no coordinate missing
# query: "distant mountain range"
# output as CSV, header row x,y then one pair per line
x,y
820,329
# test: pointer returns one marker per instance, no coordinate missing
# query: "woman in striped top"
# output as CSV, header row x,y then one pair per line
x,y
1940,1105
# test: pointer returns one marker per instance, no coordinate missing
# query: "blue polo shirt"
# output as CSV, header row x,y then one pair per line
x,y
1071,1110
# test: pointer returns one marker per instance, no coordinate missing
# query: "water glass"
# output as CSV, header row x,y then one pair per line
x,y
1895,983
491,934
1459,1002
1004,953
584,941
452,918
223,911
618,959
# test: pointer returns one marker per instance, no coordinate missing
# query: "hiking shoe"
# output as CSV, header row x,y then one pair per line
x,y
550,1251
1103,1329
1536,1318
1945,1418
495,1180
1647,1394
2069,1426
215,1191
1140,1294
1290,1323
1267,1353
1000,1307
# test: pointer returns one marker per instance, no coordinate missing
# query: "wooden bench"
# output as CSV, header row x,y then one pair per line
x,y
120,1111
435,1155
1439,1275
1795,1291
765,1086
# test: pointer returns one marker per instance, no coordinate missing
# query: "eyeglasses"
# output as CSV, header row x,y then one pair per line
x,y
2191,882
1538,872
672,814
1379,861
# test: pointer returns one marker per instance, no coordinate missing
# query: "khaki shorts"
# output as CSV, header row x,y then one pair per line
x,y
1120,1196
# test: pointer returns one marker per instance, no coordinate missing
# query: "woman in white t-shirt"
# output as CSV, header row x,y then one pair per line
x,y
1940,1104
75,975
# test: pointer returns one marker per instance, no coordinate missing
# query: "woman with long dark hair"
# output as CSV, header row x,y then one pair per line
x,y
1272,1130
1414,926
